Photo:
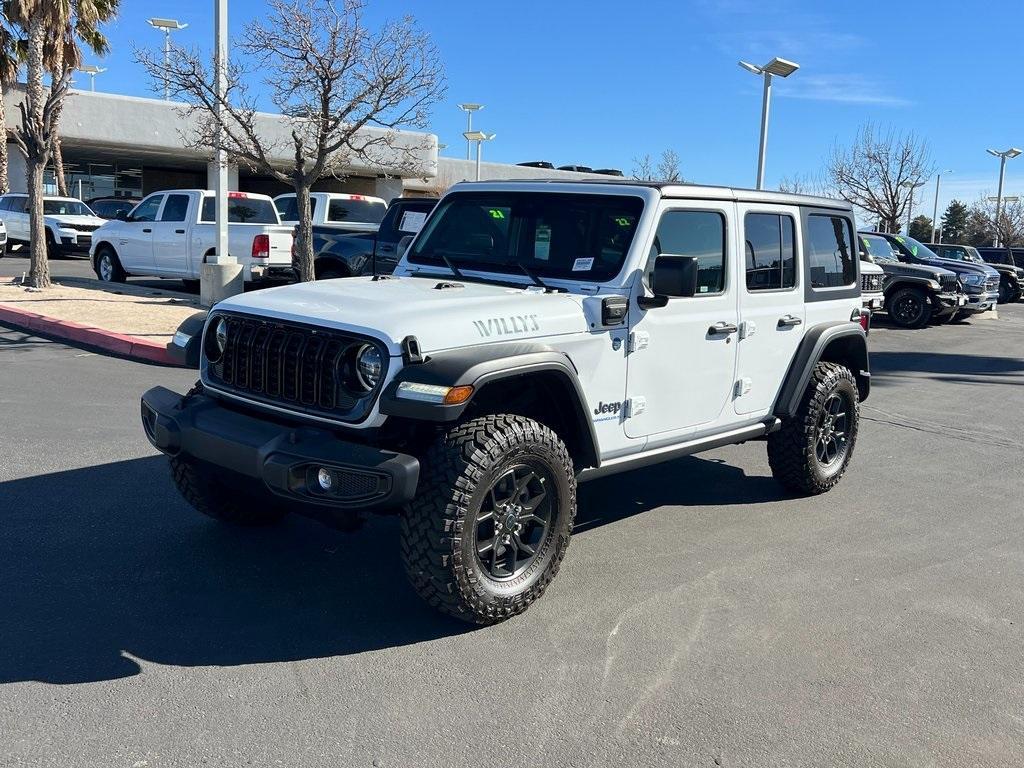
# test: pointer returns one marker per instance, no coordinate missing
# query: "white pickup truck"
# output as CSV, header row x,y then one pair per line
x,y
350,213
171,233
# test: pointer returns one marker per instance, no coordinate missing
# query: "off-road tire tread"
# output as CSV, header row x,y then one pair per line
x,y
214,500
788,449
432,524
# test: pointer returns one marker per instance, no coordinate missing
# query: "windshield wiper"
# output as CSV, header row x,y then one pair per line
x,y
530,274
450,263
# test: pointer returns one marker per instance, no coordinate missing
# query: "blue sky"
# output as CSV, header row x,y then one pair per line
x,y
598,83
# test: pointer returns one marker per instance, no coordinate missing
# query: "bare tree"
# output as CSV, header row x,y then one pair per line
x,y
668,166
643,168
331,77
805,184
878,171
983,229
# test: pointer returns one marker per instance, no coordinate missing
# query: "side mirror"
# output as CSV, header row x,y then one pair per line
x,y
403,245
673,276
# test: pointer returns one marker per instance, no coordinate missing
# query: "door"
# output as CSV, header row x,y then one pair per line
x,y
772,313
170,243
135,236
682,358
16,218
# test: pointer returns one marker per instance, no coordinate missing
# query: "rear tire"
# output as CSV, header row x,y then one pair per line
x,y
1005,291
330,272
908,308
108,266
811,452
192,286
199,486
491,521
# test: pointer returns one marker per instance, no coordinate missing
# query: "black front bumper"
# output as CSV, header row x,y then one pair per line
x,y
286,459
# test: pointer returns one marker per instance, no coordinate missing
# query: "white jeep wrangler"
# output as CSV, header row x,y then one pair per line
x,y
534,335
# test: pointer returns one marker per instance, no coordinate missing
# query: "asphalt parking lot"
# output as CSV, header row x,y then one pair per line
x,y
701,617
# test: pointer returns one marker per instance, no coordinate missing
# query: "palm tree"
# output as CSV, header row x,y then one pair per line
x,y
42,20
9,61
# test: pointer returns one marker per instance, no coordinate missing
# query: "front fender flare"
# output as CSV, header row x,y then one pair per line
x,y
824,342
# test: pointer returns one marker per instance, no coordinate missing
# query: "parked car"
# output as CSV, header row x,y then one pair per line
x,y
112,207
1002,255
343,254
533,335
1011,278
3,240
914,295
69,223
979,281
171,234
349,213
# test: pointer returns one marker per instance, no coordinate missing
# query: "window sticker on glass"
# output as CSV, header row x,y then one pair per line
x,y
542,243
412,221
583,265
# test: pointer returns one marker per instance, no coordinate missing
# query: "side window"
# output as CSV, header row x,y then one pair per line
x,y
694,233
146,210
830,251
175,209
17,204
770,243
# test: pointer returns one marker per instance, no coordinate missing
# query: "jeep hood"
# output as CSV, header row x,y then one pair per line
x,y
439,317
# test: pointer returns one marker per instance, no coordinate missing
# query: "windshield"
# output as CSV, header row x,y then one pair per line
x,y
877,248
914,247
289,209
242,210
576,237
66,208
973,255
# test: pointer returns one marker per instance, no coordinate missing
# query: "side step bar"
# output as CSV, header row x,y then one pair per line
x,y
669,452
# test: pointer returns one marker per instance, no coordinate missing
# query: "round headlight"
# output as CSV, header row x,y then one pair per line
x,y
368,366
216,340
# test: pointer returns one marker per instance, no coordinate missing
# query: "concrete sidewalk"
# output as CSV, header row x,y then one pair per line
x,y
122,319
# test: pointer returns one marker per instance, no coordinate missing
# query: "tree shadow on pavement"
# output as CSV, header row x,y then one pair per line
x,y
943,364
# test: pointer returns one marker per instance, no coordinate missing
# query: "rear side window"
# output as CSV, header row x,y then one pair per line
x,y
15,204
362,211
770,242
175,208
289,209
830,252
694,233
242,210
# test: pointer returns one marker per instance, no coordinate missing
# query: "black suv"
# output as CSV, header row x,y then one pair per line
x,y
345,254
1011,278
914,294
1002,255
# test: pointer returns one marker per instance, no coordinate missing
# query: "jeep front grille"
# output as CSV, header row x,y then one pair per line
x,y
949,283
871,283
292,366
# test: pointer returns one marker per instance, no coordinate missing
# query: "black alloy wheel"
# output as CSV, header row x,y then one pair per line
x,y
514,522
833,436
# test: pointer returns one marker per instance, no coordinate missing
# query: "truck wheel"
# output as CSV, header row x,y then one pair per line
x,y
491,521
201,488
909,308
108,266
1005,291
52,249
812,450
192,286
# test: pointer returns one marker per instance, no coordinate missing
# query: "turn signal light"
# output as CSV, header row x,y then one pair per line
x,y
458,395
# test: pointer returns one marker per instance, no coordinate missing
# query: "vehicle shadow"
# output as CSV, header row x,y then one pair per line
x,y
942,364
105,569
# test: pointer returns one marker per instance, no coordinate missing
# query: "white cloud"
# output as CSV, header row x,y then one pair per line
x,y
845,89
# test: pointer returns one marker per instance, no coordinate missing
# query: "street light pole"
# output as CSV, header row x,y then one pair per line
x,y
166,26
1003,156
782,68
935,209
910,204
221,76
92,70
479,137
469,108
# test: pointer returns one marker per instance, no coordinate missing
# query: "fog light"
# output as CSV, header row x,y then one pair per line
x,y
325,478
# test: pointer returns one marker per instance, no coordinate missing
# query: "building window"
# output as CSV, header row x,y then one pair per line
x,y
830,251
770,244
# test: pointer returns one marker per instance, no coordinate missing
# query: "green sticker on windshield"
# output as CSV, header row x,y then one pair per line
x,y
496,214
622,221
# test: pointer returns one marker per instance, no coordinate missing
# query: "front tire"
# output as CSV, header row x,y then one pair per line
x,y
909,308
108,266
811,452
491,522
200,487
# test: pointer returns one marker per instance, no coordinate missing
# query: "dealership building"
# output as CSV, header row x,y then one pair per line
x,y
128,146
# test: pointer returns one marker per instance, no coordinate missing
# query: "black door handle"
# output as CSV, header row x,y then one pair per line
x,y
789,320
726,328
147,230
179,231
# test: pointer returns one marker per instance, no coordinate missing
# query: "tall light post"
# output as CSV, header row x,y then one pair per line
x,y
1006,154
166,26
781,68
92,70
479,137
935,209
910,204
469,109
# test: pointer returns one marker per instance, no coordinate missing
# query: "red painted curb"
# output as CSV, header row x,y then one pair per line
x,y
109,341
